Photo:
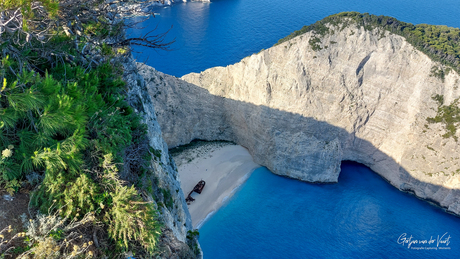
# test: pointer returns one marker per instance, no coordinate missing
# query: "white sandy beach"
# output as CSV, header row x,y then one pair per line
x,y
224,167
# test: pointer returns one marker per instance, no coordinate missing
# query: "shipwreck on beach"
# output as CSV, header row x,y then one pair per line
x,y
198,189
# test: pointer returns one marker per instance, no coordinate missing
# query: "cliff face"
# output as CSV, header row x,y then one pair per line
x,y
174,213
302,107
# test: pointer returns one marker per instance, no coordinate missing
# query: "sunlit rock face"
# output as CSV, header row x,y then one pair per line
x,y
300,110
175,218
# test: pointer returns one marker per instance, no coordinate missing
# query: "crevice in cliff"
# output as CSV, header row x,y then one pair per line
x,y
363,62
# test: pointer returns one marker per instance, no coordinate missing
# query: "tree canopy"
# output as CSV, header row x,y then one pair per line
x,y
439,42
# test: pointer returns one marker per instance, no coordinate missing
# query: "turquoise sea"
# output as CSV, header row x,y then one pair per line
x,y
360,217
274,217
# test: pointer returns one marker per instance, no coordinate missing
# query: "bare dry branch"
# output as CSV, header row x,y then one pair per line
x,y
87,24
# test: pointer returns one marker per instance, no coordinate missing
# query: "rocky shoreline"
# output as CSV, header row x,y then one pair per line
x,y
197,149
141,9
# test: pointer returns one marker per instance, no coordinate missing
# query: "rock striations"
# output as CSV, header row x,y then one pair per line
x,y
303,106
174,215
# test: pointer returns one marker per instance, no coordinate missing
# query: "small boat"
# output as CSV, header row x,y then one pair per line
x,y
198,189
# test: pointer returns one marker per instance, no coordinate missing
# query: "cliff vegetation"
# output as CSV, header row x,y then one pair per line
x,y
441,43
68,132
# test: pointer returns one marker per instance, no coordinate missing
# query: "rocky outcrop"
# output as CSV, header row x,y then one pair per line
x,y
171,2
303,106
165,182
140,8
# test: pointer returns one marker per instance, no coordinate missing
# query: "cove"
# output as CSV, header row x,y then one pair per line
x,y
360,217
225,31
275,217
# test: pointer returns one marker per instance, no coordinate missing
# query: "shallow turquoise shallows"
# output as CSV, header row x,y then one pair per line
x,y
225,31
360,217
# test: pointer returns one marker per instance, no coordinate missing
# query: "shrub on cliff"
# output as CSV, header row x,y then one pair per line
x,y
64,116
439,42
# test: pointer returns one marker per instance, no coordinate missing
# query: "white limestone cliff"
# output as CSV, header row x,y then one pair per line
x,y
365,96
166,193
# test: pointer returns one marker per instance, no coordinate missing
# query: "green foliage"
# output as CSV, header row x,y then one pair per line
x,y
132,219
439,99
63,115
11,186
96,28
314,43
449,115
191,234
106,50
25,6
319,28
438,72
36,38
74,126
439,42
57,234
128,217
156,153
47,122
98,129
167,198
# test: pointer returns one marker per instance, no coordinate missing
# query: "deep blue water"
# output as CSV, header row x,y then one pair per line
x,y
360,217
225,31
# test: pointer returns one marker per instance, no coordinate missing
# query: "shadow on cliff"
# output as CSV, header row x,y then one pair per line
x,y
286,143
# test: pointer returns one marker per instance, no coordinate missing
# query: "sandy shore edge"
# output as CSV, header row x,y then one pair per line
x,y
224,167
